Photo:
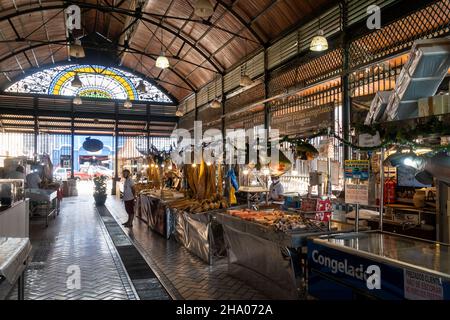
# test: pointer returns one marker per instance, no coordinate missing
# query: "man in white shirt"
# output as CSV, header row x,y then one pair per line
x,y
128,197
276,189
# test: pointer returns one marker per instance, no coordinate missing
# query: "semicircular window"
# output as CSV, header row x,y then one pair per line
x,y
97,82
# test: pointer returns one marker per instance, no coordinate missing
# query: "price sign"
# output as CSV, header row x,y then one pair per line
x,y
357,169
357,194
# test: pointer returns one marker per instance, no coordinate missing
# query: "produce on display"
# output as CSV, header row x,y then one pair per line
x,y
163,194
219,179
153,173
198,206
277,220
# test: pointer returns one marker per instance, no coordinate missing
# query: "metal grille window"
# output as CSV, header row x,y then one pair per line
x,y
16,145
379,77
245,98
306,72
432,21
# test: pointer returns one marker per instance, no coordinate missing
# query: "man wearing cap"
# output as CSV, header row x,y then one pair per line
x,y
276,189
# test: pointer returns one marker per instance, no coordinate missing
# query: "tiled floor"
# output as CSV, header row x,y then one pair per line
x,y
183,275
77,239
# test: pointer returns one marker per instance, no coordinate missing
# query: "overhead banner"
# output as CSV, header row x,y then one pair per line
x,y
305,121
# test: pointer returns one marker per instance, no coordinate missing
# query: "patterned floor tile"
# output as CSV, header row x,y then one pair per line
x,y
75,240
184,275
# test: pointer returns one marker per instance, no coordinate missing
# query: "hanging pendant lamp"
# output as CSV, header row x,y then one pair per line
x,y
319,42
127,104
77,100
203,9
141,87
76,82
216,103
179,113
76,49
245,78
162,62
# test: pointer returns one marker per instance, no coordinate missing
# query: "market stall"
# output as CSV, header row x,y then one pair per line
x,y
153,207
267,248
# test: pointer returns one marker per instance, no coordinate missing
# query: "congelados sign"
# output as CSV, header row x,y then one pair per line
x,y
371,275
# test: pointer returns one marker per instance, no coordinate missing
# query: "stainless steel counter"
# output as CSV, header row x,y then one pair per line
x,y
396,248
14,253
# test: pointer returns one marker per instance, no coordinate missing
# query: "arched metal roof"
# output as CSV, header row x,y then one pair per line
x,y
33,34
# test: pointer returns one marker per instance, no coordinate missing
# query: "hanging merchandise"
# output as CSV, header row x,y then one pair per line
x,y
389,190
391,134
232,196
232,176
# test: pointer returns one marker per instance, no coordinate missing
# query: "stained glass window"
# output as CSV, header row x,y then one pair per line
x,y
97,81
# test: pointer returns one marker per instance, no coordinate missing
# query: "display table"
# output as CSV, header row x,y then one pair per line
x,y
399,267
270,261
199,233
43,203
14,254
155,212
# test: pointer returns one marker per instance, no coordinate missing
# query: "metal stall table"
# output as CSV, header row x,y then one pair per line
x,y
14,254
199,233
156,213
268,260
43,203
378,265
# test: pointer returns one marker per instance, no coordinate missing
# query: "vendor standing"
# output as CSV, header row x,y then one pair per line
x,y
276,189
129,194
33,179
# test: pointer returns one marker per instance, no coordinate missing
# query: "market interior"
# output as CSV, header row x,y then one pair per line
x,y
224,150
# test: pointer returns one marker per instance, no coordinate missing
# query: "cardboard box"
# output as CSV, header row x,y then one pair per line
x,y
434,105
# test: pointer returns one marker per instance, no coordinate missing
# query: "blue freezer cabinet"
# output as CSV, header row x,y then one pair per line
x,y
376,265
